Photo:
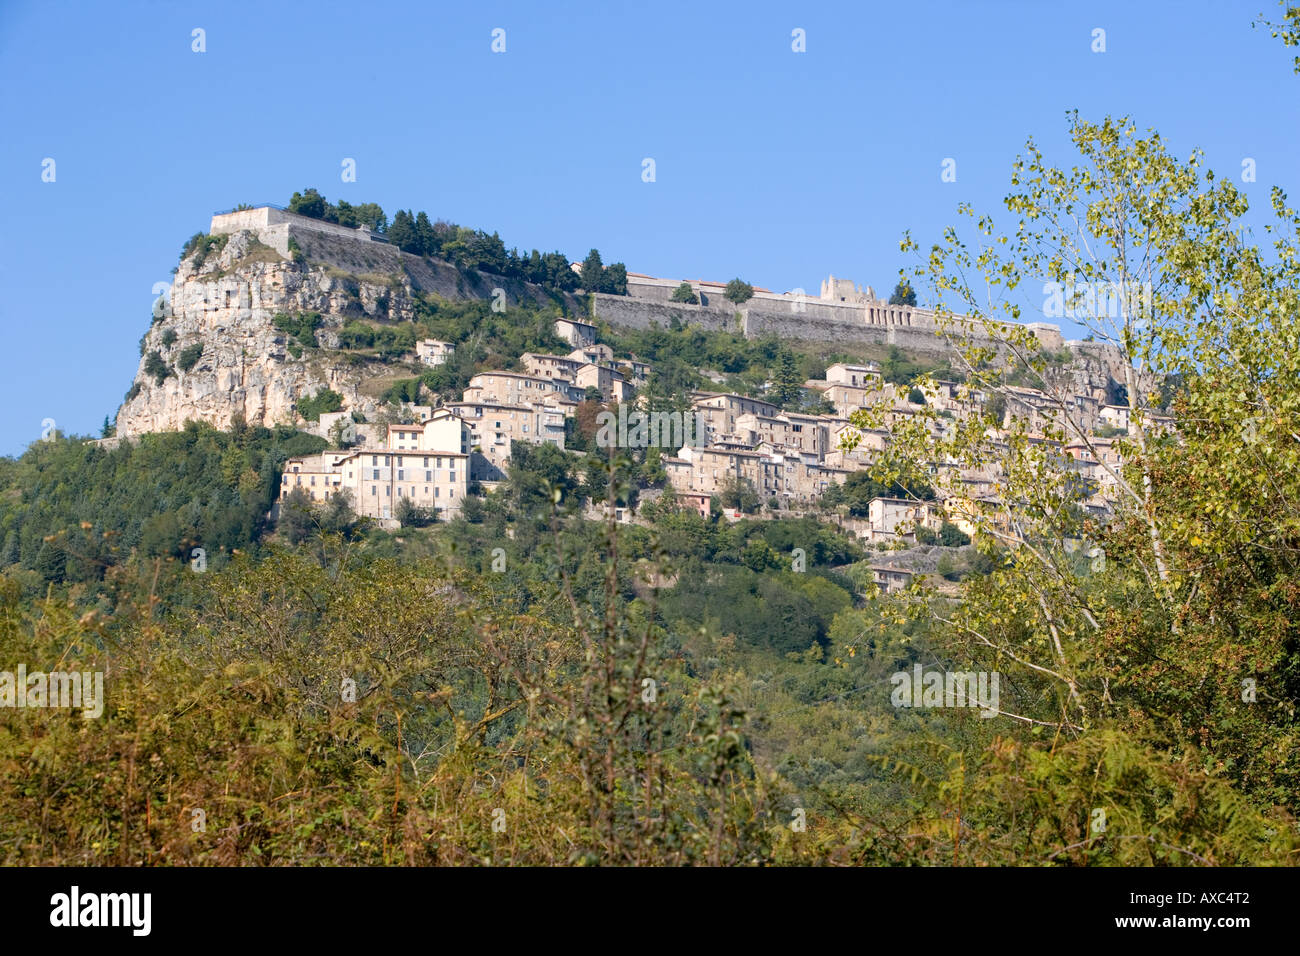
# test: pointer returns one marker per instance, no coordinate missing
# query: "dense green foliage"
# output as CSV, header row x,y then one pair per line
x,y
300,326
466,248
521,685
71,511
326,400
201,245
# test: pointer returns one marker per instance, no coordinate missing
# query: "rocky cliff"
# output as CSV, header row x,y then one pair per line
x,y
225,301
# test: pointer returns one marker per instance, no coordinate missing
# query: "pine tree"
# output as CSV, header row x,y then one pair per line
x,y
787,385
593,272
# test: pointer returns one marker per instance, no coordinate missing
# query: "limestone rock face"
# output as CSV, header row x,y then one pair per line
x,y
226,303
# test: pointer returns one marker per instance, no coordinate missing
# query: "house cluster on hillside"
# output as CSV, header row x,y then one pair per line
x,y
788,458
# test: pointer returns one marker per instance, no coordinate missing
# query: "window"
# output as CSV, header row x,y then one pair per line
x,y
374,459
376,475
428,475
387,460
374,490
436,491
387,492
426,464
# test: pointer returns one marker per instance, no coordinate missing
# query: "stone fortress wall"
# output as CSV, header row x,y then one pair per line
x,y
841,312
273,227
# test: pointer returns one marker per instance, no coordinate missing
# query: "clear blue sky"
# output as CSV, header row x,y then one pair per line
x,y
775,166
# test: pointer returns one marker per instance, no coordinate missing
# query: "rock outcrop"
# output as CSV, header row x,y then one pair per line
x,y
226,302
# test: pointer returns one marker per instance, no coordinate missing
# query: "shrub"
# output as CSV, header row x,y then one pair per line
x,y
168,338
326,400
411,515
738,291
201,246
403,390
189,357
684,293
300,325
356,335
155,366
951,536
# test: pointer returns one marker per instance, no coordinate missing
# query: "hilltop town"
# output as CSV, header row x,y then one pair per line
x,y
727,452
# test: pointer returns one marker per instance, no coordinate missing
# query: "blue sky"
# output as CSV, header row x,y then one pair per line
x,y
775,166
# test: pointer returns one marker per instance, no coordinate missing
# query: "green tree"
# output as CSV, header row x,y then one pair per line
x,y
615,279
402,233
903,294
951,536
593,272
1130,639
738,493
787,383
309,202
685,294
738,291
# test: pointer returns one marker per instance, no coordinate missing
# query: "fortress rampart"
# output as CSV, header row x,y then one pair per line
x,y
273,227
841,312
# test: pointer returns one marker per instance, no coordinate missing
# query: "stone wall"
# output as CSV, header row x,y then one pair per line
x,y
810,317
268,217
826,325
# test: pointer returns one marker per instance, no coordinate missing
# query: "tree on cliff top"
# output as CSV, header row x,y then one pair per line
x,y
904,294
739,291
309,202
615,279
593,272
685,294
